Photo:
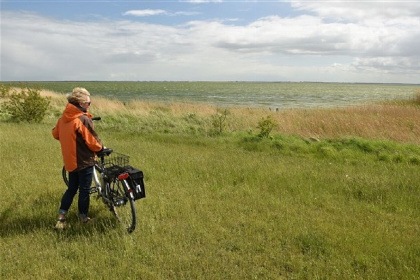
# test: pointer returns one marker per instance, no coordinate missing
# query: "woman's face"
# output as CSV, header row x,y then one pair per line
x,y
86,104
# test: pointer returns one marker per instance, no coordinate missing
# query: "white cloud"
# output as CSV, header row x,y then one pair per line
x,y
149,12
350,10
144,13
364,46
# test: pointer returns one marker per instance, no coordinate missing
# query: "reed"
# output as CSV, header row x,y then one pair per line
x,y
396,121
376,121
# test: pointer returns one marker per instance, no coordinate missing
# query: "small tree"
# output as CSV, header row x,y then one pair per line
x,y
266,125
219,120
27,105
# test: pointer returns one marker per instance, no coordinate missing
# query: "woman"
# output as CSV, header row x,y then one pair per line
x,y
79,143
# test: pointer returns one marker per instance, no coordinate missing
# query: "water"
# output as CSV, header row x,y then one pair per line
x,y
249,94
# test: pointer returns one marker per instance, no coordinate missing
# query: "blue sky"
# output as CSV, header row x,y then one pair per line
x,y
322,41
161,12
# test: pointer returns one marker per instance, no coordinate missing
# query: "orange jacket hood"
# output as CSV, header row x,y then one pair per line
x,y
71,112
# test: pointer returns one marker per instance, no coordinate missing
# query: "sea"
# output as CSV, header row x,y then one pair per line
x,y
272,95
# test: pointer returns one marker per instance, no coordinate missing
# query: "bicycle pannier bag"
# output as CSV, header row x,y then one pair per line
x,y
136,182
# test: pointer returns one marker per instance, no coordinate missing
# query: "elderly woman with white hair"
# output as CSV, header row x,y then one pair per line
x,y
79,143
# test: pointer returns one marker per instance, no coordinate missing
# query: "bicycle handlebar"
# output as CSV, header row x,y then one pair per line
x,y
96,119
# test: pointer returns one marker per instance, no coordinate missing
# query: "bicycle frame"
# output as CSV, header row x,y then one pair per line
x,y
97,180
101,186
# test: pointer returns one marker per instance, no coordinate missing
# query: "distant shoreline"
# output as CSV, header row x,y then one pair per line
x,y
186,81
274,95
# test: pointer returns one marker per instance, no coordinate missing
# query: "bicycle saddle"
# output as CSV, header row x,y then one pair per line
x,y
104,152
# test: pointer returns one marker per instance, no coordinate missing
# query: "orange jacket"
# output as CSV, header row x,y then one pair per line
x,y
78,139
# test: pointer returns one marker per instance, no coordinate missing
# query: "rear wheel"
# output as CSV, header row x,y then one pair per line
x,y
122,207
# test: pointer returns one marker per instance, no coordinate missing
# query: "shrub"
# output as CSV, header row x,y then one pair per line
x,y
218,120
27,105
265,126
4,91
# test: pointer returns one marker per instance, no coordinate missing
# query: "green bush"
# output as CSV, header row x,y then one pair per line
x,y
4,91
218,121
265,126
26,105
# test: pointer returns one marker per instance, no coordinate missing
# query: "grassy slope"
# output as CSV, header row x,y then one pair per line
x,y
226,207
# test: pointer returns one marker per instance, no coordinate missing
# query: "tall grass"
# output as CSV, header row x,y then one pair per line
x,y
233,206
396,121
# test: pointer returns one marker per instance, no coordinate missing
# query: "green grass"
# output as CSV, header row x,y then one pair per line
x,y
228,207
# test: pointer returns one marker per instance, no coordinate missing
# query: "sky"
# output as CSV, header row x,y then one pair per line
x,y
367,41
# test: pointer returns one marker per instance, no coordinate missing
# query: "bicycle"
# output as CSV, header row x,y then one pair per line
x,y
118,184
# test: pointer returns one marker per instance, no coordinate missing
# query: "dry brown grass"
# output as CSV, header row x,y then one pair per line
x,y
397,121
393,122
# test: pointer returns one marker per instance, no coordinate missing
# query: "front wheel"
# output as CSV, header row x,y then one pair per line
x,y
122,206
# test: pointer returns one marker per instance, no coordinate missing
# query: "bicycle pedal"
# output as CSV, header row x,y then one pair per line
x,y
93,190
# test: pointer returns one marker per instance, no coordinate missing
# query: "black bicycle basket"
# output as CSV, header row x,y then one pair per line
x,y
115,162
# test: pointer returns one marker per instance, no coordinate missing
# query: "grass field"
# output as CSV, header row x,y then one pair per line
x,y
332,194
